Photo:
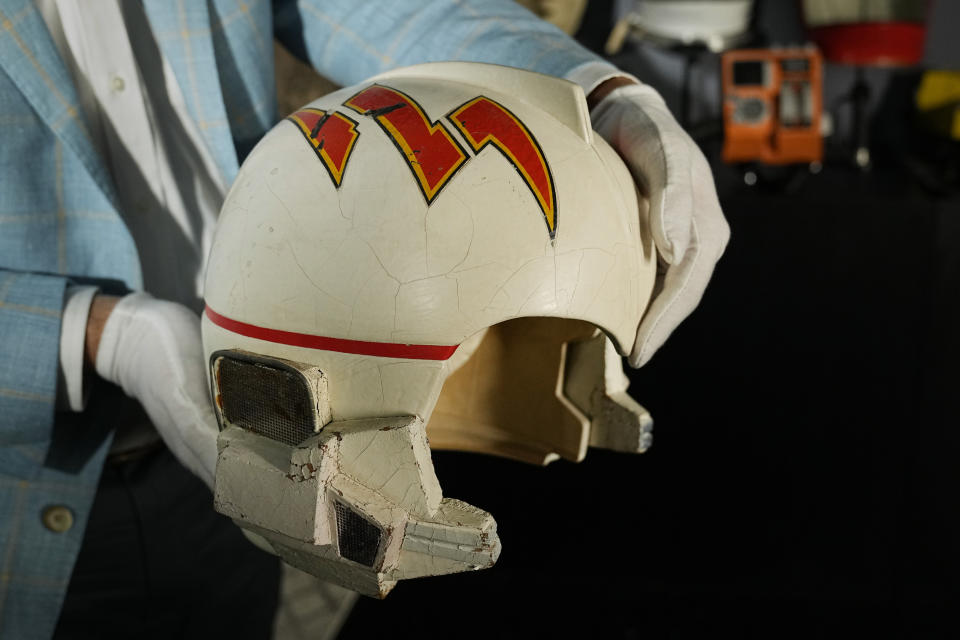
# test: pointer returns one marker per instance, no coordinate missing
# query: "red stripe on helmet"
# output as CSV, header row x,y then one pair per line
x,y
340,345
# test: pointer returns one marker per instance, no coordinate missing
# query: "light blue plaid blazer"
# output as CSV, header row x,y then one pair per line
x,y
59,218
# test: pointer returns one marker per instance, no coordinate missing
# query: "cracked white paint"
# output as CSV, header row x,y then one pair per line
x,y
381,469
371,261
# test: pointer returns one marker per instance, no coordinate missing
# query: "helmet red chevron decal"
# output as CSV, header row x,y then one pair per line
x,y
483,121
430,150
331,134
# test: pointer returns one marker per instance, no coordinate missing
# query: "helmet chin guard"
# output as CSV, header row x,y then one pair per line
x,y
451,226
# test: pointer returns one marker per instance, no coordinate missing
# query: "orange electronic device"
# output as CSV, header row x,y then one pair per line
x,y
772,104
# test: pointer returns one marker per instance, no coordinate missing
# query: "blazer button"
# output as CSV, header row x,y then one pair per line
x,y
57,518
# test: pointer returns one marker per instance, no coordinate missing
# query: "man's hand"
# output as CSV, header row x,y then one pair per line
x,y
152,349
688,227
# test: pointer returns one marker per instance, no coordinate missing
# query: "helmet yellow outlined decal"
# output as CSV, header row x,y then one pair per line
x,y
331,134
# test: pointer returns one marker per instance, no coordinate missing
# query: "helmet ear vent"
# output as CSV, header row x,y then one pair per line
x,y
357,538
267,397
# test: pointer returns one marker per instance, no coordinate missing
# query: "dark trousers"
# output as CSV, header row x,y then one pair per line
x,y
158,562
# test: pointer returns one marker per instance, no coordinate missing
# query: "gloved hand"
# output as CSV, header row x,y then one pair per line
x,y
688,227
152,349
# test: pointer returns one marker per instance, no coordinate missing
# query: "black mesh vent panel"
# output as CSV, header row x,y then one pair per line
x,y
267,400
357,538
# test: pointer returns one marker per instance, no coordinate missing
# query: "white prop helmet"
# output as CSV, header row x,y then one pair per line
x,y
372,243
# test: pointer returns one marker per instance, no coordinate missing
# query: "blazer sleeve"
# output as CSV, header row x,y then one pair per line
x,y
30,310
348,41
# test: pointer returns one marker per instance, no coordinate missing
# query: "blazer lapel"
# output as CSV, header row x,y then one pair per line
x,y
30,59
182,30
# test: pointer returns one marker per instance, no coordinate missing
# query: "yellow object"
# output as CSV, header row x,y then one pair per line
x,y
938,100
938,88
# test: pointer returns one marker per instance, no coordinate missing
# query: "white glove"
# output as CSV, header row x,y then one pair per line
x,y
688,227
152,349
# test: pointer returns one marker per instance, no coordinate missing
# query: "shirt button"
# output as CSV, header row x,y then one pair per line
x,y
57,518
117,83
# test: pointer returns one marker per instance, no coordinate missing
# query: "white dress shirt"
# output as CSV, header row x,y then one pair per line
x,y
167,183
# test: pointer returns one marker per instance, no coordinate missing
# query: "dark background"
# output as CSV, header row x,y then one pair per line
x,y
804,478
